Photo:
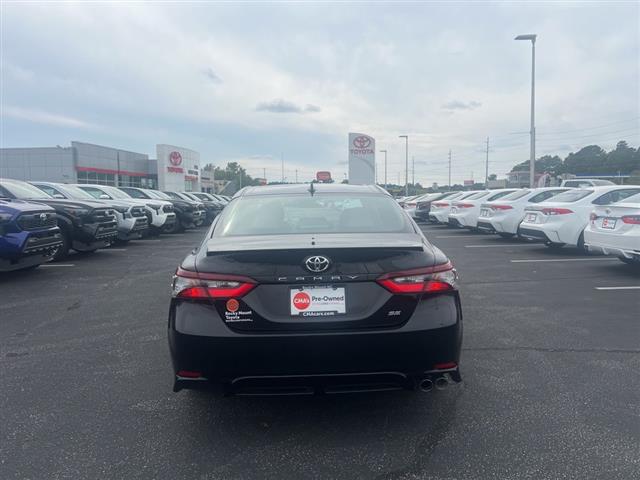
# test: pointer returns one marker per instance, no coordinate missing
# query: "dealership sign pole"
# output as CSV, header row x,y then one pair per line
x,y
362,158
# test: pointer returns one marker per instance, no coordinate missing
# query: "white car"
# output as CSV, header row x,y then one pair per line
x,y
503,216
465,213
411,204
439,212
562,220
423,205
615,230
159,212
585,182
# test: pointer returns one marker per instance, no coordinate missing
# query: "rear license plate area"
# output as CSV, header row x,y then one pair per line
x,y
317,301
609,223
531,218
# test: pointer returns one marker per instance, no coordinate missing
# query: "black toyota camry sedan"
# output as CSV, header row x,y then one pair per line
x,y
317,288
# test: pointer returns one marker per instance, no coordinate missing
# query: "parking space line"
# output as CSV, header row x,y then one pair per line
x,y
635,287
565,260
458,236
52,265
504,245
116,249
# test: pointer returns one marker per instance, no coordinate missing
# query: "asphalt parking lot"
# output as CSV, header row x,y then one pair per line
x,y
551,371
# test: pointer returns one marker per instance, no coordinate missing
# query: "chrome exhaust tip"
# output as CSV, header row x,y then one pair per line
x,y
426,385
441,383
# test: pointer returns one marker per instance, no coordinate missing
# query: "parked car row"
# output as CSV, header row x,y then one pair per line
x,y
44,221
598,218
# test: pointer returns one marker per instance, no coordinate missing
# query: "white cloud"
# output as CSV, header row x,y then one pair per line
x,y
446,76
46,118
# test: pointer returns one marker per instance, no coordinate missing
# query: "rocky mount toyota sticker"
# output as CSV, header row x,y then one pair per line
x,y
234,312
317,301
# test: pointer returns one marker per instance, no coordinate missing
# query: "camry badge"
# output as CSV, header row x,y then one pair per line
x,y
317,263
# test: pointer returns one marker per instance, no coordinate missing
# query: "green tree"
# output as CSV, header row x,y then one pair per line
x,y
624,159
233,172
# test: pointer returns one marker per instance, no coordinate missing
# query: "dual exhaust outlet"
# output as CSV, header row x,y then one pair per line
x,y
428,384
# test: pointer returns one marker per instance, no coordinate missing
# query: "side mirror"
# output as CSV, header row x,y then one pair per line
x,y
104,196
58,196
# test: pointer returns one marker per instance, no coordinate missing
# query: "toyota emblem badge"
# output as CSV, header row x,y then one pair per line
x,y
317,263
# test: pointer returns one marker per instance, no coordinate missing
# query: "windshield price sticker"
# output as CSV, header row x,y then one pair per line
x,y
317,301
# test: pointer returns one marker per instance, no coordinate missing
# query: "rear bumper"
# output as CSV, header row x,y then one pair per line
x,y
486,226
626,246
318,359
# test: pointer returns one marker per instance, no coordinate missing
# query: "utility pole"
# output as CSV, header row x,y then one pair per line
x,y
406,164
486,167
413,171
282,157
532,161
264,173
385,167
449,168
296,175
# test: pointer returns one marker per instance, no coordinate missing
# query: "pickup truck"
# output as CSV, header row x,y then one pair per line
x,y
188,213
29,234
131,218
86,226
212,206
160,214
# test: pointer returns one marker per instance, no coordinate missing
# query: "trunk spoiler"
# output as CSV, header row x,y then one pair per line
x,y
226,245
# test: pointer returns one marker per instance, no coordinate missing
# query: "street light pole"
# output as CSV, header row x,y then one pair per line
x,y
532,154
385,167
406,163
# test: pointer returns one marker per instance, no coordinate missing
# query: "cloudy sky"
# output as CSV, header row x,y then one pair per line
x,y
253,82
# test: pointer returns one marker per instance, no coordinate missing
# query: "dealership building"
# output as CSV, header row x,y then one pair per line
x,y
174,168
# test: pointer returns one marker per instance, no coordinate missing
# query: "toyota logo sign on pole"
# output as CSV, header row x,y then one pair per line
x,y
362,159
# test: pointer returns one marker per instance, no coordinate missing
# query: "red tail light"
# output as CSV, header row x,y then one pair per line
x,y
631,219
501,207
194,285
556,211
440,204
593,217
445,366
464,205
440,278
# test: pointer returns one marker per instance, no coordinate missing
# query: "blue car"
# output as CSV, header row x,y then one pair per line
x,y
29,234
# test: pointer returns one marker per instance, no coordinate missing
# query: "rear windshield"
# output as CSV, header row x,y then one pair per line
x,y
475,196
632,199
516,195
499,195
322,213
572,196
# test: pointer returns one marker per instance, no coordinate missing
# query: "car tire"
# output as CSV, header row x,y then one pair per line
x,y
63,250
630,261
506,235
581,246
176,227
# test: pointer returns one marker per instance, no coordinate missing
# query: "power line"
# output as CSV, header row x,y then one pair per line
x,y
592,128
